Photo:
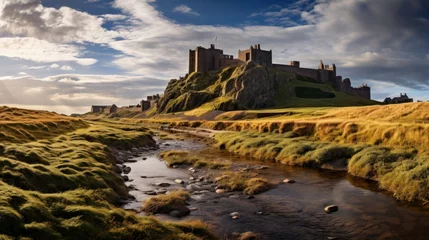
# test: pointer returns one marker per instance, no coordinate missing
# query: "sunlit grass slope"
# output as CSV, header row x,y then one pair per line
x,y
60,183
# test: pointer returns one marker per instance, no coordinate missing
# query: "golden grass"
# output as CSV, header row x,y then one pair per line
x,y
249,183
166,203
177,158
60,183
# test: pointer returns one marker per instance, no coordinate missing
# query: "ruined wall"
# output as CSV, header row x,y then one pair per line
x,y
257,55
227,62
191,61
306,72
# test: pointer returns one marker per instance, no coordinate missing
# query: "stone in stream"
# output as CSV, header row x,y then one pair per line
x,y
331,208
193,187
143,176
162,184
161,191
220,190
144,158
288,181
127,170
180,212
191,178
263,167
150,193
179,181
235,215
250,197
125,177
132,160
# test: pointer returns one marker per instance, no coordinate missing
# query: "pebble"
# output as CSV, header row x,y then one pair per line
x,y
161,191
150,193
132,160
144,158
235,215
331,208
127,170
263,167
250,197
289,181
191,178
143,176
220,190
162,184
179,181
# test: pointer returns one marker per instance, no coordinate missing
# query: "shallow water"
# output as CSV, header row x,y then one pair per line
x,y
289,211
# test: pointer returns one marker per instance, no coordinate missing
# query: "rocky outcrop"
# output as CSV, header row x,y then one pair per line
x,y
246,87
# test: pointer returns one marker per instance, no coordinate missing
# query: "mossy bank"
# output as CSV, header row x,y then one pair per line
x,y
63,185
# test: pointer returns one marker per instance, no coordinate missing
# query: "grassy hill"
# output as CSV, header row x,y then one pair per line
x,y
251,87
58,180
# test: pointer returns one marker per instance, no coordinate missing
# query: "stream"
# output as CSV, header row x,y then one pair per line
x,y
287,211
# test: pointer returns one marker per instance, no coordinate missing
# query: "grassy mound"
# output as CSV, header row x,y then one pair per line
x,y
403,171
62,185
178,158
166,203
250,183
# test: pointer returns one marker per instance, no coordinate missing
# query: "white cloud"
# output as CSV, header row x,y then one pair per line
x,y
66,68
185,9
29,18
114,17
22,73
54,66
41,51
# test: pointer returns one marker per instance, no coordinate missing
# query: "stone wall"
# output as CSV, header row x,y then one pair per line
x,y
255,54
306,72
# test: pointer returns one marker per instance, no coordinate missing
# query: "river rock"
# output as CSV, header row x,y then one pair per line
x,y
132,160
191,178
201,179
180,212
127,170
331,208
179,181
161,191
193,187
144,158
235,215
250,197
150,193
289,181
125,177
220,190
263,167
162,184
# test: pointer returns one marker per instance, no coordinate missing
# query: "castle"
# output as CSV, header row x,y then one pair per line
x,y
205,60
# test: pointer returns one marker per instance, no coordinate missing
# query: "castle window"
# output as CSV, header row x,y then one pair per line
x,y
247,57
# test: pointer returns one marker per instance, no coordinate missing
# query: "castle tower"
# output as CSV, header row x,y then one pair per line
x,y
257,55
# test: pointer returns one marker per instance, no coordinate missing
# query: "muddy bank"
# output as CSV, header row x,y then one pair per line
x,y
287,211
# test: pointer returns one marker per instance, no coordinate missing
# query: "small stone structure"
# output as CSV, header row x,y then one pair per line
x,y
150,102
403,98
104,109
212,59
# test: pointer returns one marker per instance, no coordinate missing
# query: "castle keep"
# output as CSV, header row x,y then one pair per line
x,y
204,60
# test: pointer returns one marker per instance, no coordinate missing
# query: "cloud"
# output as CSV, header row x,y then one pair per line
x,y
66,68
29,18
114,17
54,66
68,93
185,9
369,43
37,50
22,73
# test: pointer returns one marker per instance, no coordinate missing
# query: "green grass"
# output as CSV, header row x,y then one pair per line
x,y
166,203
402,171
249,183
178,158
62,185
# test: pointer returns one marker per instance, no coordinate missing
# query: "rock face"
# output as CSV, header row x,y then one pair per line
x,y
244,87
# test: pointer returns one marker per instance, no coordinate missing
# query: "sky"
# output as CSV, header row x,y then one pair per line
x,y
67,55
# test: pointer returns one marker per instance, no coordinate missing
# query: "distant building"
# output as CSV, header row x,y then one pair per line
x,y
98,109
150,102
403,98
104,109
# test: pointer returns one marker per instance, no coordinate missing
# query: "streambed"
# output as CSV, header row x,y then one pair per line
x,y
288,211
